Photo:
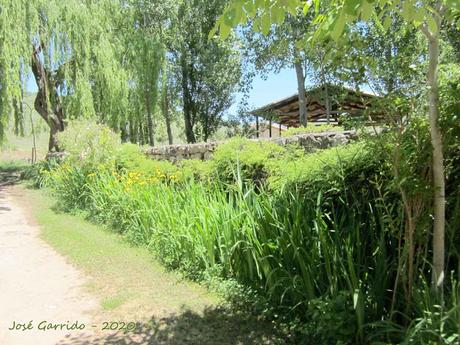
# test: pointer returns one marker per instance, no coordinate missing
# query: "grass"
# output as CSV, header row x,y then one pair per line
x,y
131,286
122,276
20,147
114,302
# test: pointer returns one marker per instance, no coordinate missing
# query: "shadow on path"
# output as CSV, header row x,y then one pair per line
x,y
10,174
213,327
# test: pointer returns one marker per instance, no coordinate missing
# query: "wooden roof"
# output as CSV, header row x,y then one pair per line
x,y
343,102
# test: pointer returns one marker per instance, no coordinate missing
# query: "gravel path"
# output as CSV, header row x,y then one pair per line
x,y
37,286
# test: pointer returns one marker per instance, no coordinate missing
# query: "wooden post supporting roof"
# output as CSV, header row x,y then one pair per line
x,y
323,104
270,127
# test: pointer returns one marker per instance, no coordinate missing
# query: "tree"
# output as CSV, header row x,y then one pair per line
x,y
282,46
426,16
146,39
208,70
69,48
168,103
453,36
389,55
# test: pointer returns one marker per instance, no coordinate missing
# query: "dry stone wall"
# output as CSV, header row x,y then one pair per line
x,y
310,142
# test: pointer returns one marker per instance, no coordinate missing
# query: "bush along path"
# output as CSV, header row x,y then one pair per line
x,y
115,290
283,224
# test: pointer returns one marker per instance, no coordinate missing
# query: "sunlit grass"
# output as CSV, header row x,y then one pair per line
x,y
125,278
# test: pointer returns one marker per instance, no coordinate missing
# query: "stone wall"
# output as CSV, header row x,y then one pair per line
x,y
310,142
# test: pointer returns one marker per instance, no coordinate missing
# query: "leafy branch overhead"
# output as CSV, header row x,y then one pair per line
x,y
331,17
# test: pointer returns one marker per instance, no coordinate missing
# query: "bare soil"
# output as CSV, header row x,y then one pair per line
x,y
37,285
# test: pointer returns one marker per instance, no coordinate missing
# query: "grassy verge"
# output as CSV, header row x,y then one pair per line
x,y
131,286
126,278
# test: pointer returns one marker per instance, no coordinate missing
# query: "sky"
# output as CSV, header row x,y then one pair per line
x,y
275,87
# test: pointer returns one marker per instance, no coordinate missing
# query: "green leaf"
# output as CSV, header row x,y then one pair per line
x,y
419,17
265,23
239,14
230,16
250,8
453,4
387,22
355,298
289,6
316,5
351,7
408,10
366,11
277,15
377,22
338,27
224,30
213,31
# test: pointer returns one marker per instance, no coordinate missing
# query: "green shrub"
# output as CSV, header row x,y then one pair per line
x,y
196,169
324,169
40,172
88,144
312,129
317,235
331,321
244,159
129,157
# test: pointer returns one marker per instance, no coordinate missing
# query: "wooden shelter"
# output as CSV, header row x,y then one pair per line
x,y
325,104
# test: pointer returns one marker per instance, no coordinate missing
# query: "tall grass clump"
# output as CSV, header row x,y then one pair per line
x,y
320,237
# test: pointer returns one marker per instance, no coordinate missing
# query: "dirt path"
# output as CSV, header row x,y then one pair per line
x,y
40,287
37,286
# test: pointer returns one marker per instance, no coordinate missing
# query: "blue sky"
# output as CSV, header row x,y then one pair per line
x,y
275,87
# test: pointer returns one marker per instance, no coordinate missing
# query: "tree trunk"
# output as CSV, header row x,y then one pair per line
x,y
132,132
166,115
301,91
168,130
187,103
188,124
206,129
438,167
150,129
328,103
141,134
47,102
439,199
326,88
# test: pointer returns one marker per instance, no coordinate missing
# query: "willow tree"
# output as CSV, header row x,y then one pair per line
x,y
71,51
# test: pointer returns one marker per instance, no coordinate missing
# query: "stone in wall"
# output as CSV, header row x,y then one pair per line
x,y
176,153
309,141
